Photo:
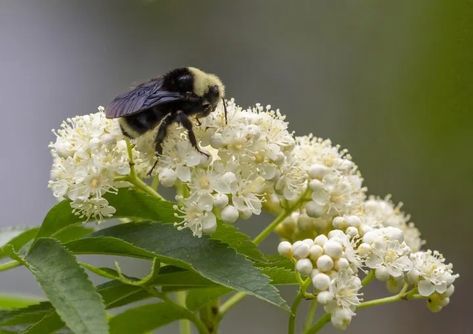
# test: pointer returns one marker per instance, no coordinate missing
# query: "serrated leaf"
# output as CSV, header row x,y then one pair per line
x,y
129,203
280,276
15,238
212,259
147,317
72,232
13,302
49,323
239,241
198,298
67,287
24,315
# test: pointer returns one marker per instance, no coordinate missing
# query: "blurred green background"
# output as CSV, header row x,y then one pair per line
x,y
389,80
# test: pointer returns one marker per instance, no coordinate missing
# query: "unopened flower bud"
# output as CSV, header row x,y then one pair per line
x,y
324,263
301,250
324,297
321,281
285,248
317,171
333,249
304,266
229,214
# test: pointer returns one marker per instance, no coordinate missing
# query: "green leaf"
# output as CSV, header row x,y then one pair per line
x,y
72,232
129,203
50,323
16,238
280,276
12,302
198,298
239,241
67,287
212,259
24,315
147,317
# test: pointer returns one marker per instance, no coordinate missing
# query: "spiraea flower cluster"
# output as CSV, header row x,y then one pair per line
x,y
369,243
334,233
88,155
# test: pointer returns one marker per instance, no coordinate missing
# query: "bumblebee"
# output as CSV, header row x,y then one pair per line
x,y
174,97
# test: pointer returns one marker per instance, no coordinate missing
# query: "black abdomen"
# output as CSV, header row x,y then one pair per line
x,y
135,125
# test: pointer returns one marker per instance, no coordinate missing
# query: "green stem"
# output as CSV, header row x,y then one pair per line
x,y
230,303
9,265
310,314
283,215
133,177
292,316
267,231
368,278
184,324
386,300
295,306
323,320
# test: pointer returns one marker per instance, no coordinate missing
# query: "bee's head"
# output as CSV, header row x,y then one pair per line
x,y
209,88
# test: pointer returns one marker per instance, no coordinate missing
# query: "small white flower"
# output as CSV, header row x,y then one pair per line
x,y
88,155
433,274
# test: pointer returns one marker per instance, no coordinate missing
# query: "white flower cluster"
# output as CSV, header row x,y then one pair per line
x,y
334,182
88,154
332,263
247,158
254,163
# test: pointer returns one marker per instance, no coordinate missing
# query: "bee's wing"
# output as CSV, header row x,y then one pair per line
x,y
144,96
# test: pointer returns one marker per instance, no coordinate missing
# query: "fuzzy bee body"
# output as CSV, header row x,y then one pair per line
x,y
171,98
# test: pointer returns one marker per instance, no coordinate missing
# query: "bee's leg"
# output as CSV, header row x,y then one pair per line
x,y
187,124
199,123
159,139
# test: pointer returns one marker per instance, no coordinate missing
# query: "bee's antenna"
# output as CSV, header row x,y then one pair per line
x,y
225,110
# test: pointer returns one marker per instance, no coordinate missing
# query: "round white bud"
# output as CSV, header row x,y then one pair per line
x,y
167,177
315,252
216,140
316,185
285,248
314,209
394,233
353,221
321,281
300,250
220,200
364,249
339,222
304,266
324,297
324,263
245,213
333,249
449,291
412,276
318,171
209,224
351,231
382,274
320,240
308,242
230,214
336,233
341,318
342,264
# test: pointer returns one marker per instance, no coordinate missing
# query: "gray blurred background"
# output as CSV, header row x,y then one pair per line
x,y
389,80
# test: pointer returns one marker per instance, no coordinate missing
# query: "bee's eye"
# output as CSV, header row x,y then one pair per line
x,y
213,90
